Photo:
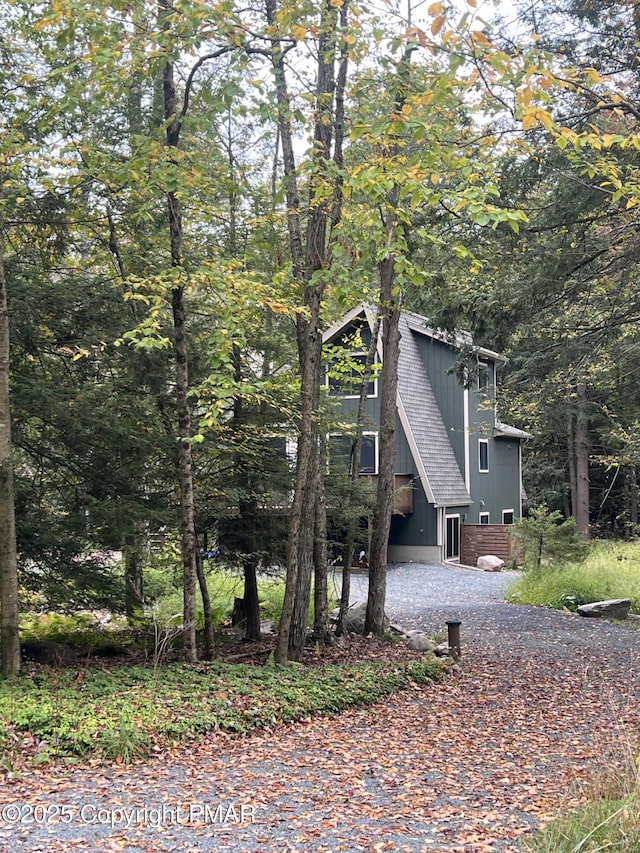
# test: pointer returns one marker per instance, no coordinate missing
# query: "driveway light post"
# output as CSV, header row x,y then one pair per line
x,y
453,630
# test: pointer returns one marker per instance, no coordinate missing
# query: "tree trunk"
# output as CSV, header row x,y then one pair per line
x,y
251,601
185,461
134,578
383,510
632,481
390,314
207,614
354,474
9,628
320,590
188,537
307,261
571,461
582,459
301,544
320,559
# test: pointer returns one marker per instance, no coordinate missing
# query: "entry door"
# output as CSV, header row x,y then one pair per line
x,y
452,537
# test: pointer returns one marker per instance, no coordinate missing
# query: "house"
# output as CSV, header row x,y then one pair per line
x,y
456,465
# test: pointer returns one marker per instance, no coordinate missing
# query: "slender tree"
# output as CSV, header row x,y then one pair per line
x,y
9,629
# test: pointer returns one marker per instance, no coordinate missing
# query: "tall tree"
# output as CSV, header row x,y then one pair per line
x,y
9,628
310,260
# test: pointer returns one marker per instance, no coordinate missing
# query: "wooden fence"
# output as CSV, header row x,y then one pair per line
x,y
477,540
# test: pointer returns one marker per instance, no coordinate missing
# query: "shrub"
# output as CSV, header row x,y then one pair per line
x,y
542,539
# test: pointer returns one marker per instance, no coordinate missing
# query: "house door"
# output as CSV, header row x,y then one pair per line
x,y
452,537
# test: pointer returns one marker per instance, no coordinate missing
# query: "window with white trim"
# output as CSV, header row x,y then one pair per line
x,y
339,447
484,376
508,516
483,455
345,378
484,518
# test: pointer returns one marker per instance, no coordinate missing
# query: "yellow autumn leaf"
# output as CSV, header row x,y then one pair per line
x,y
437,25
298,32
528,121
436,9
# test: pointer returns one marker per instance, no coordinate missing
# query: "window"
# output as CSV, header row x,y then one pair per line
x,y
484,376
344,378
483,455
484,518
507,516
339,447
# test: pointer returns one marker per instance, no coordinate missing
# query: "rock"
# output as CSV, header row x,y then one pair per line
x,y
48,652
442,650
614,608
420,642
356,618
490,563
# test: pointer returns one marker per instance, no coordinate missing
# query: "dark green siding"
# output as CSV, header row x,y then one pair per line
x,y
439,359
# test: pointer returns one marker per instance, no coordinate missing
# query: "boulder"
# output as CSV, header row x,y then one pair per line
x,y
356,618
614,608
490,563
48,652
420,642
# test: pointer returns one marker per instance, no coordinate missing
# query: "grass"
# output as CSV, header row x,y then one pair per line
x,y
128,712
608,824
609,571
610,819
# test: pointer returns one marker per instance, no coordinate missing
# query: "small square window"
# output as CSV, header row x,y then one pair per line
x,y
507,516
345,380
484,518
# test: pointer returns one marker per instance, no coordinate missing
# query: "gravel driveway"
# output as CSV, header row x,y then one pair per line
x,y
543,702
423,596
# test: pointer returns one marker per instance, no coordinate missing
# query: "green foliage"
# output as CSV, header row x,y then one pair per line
x,y
543,541
608,571
119,714
123,740
79,631
224,585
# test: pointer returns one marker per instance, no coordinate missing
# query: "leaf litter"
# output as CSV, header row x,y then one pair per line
x,y
467,765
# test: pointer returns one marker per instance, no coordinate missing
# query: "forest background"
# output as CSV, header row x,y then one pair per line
x,y
191,193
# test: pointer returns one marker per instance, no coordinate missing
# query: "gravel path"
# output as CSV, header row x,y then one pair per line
x,y
465,765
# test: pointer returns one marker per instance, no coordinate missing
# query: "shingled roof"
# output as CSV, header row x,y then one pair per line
x,y
422,421
418,409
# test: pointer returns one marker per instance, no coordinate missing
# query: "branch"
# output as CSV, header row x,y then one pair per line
x,y
206,58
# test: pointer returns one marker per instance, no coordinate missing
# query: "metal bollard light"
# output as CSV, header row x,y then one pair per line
x,y
453,630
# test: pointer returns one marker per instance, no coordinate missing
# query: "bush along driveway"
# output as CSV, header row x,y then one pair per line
x,y
543,704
